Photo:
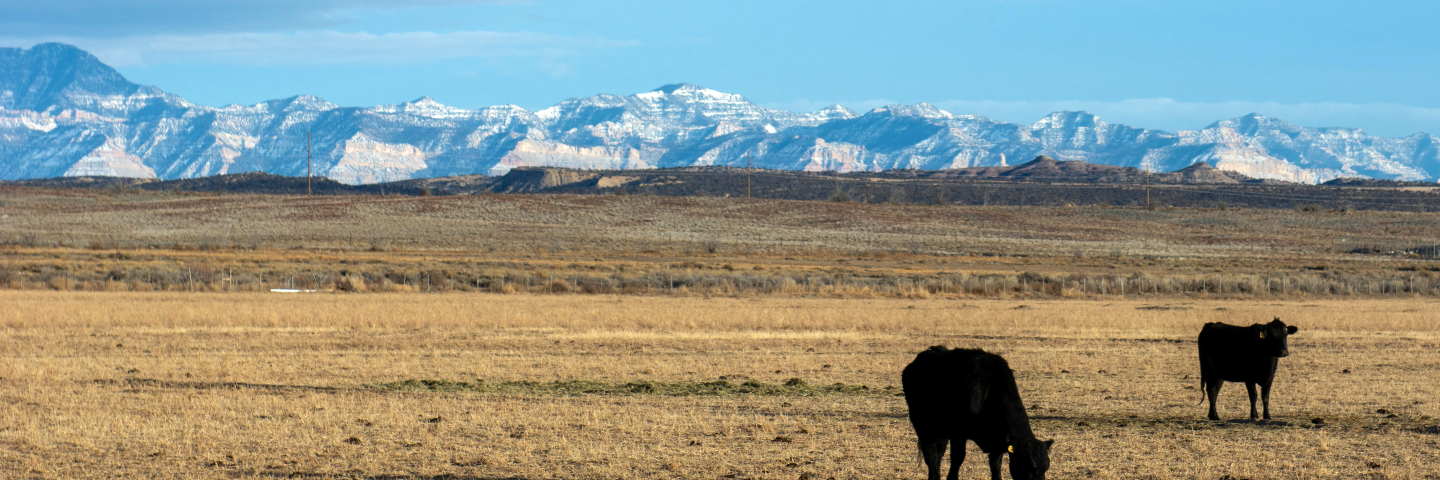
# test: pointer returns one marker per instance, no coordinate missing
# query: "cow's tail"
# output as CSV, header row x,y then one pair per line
x,y
1204,386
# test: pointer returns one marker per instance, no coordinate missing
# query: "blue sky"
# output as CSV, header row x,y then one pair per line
x,y
1166,64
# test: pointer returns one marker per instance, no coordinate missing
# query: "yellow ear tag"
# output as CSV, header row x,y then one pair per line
x,y
1012,449
1262,334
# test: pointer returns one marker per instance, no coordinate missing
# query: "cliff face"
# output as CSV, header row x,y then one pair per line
x,y
63,112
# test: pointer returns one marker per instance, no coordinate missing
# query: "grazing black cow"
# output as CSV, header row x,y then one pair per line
x,y
958,395
1229,353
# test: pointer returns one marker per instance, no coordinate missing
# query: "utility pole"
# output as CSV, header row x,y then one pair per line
x,y
308,189
747,174
1148,206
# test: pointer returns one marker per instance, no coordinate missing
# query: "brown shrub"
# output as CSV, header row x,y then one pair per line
x,y
351,283
558,286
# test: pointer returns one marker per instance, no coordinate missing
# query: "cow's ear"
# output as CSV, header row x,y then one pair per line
x,y
1292,329
1048,444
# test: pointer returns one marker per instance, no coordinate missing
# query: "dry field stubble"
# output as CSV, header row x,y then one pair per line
x,y
263,386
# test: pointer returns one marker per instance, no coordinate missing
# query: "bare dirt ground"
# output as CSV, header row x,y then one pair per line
x,y
250,385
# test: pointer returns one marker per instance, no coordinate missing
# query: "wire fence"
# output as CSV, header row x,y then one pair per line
x,y
1429,249
1415,280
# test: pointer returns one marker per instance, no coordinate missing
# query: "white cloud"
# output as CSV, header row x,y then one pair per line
x,y
330,48
1383,119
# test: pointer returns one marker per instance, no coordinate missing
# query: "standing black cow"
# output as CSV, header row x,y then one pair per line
x,y
1242,354
958,395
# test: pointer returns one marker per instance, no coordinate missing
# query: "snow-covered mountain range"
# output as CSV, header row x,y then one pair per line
x,y
65,113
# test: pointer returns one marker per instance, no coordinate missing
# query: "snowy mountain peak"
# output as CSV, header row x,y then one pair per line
x,y
62,112
692,103
923,110
1253,123
424,107
504,114
1069,120
690,90
675,87
548,114
685,92
510,108
833,112
299,102
54,76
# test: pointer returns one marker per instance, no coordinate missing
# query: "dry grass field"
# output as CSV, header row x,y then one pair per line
x,y
645,337
328,385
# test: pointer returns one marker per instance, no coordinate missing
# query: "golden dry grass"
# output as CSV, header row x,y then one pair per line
x,y
211,385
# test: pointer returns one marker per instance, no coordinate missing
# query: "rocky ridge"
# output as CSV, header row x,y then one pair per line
x,y
64,113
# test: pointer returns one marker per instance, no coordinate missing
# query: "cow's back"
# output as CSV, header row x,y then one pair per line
x,y
1230,353
1218,335
949,391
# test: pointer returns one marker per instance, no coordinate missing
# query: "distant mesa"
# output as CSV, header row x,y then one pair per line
x,y
1045,168
1376,183
63,113
1060,183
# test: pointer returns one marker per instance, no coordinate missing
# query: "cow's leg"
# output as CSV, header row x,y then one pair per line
x,y
995,465
932,450
1250,388
957,457
1212,391
1265,397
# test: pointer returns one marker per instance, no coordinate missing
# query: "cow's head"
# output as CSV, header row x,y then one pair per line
x,y
1273,335
1029,458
